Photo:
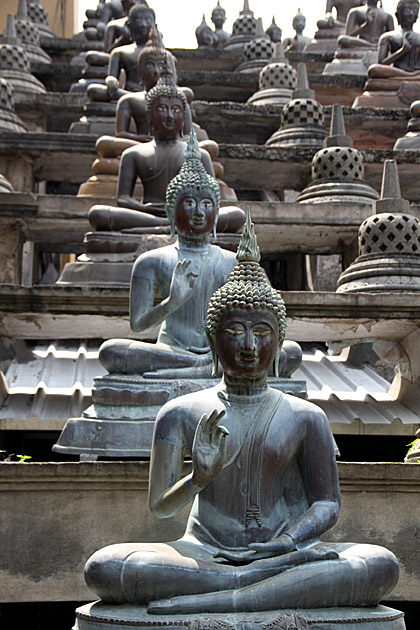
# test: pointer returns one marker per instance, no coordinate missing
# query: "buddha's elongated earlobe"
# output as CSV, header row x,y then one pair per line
x,y
214,356
173,231
277,361
214,229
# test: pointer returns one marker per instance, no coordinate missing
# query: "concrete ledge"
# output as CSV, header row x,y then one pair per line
x,y
55,515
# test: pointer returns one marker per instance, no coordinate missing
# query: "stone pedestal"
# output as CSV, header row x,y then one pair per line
x,y
100,616
353,62
120,423
389,93
325,40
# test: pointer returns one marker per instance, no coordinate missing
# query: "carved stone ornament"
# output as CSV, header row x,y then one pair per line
x,y
293,621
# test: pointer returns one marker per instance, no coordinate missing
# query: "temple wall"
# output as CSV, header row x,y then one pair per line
x,y
53,516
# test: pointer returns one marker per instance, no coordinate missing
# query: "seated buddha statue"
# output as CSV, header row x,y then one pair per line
x,y
330,27
358,47
153,61
399,50
186,273
394,80
155,163
106,11
364,26
264,486
140,19
299,41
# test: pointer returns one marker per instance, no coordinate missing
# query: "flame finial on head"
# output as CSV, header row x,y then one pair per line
x,y
248,250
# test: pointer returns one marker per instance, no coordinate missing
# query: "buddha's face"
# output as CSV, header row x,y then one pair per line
x,y
247,342
275,34
206,37
151,69
218,17
195,213
407,14
167,116
299,23
140,23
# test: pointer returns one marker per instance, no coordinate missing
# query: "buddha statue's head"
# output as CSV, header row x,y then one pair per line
x,y
299,22
140,18
246,317
218,16
153,60
166,105
193,197
407,12
204,35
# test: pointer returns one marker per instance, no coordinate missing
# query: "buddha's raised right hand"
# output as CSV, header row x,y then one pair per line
x,y
182,283
209,448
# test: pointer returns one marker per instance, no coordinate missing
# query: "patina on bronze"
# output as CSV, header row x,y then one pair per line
x,y
264,482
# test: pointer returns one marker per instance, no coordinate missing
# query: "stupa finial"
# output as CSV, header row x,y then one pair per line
x,y
302,89
246,10
22,11
391,200
248,250
259,30
338,137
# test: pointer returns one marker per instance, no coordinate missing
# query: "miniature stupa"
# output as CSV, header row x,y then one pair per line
x,y
257,52
28,33
243,30
39,16
14,63
337,169
9,120
411,140
389,244
302,118
276,82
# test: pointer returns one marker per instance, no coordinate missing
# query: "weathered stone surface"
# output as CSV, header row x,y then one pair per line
x,y
95,504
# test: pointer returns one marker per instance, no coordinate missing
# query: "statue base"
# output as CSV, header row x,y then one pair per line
x,y
379,272
409,142
109,256
325,40
305,136
101,616
271,96
333,191
121,421
389,93
355,63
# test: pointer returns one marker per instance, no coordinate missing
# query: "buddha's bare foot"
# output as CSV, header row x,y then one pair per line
x,y
184,604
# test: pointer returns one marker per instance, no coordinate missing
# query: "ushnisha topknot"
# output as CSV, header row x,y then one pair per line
x,y
165,87
192,176
247,287
141,5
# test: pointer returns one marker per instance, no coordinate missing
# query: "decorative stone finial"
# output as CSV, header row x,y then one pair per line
x,y
259,31
248,250
246,10
22,11
193,150
302,89
389,244
338,137
10,36
391,200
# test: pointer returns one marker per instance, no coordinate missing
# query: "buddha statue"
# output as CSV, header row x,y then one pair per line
x,y
274,32
299,41
205,36
155,163
94,28
394,80
264,486
358,47
140,19
330,27
186,272
411,140
218,17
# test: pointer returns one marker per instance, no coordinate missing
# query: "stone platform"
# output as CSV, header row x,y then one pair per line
x,y
121,421
100,616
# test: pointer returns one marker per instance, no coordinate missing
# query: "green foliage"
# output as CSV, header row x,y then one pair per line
x,y
20,459
412,446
